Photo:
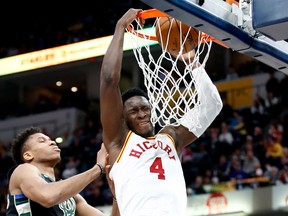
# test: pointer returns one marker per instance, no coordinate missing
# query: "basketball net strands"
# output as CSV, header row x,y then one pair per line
x,y
169,80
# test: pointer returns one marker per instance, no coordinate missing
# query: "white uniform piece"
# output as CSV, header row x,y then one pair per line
x,y
148,177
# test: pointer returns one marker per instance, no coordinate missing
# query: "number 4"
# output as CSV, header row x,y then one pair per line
x,y
157,167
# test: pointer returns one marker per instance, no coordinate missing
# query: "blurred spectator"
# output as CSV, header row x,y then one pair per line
x,y
6,162
214,147
259,144
258,111
283,175
250,163
94,193
187,155
284,121
222,167
201,157
90,128
70,168
238,127
237,174
77,142
272,84
226,139
283,89
189,168
272,172
99,135
272,105
275,130
234,159
197,187
3,202
207,177
284,157
248,145
239,154
274,152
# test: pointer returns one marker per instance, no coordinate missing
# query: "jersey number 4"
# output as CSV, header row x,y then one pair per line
x,y
157,167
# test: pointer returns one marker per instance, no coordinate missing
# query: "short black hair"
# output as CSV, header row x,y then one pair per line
x,y
133,92
18,143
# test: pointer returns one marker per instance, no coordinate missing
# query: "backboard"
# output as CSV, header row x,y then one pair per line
x,y
230,22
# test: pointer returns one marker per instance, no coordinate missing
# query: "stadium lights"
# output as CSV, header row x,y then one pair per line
x,y
64,54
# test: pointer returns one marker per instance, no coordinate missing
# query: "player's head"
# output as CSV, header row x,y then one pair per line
x,y
137,111
32,145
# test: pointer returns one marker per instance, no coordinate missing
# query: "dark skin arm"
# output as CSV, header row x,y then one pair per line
x,y
181,134
115,209
111,107
208,111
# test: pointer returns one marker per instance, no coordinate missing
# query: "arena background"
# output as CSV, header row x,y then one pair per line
x,y
41,45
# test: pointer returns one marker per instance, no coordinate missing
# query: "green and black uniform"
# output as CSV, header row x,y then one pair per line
x,y
20,205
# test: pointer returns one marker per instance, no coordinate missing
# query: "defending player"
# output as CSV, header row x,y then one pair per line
x,y
33,189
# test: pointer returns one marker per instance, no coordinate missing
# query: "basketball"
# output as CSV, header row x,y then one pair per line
x,y
173,40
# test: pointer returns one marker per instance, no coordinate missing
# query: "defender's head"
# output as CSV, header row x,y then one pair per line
x,y
32,145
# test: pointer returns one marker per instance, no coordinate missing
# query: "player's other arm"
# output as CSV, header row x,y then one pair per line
x,y
209,107
84,209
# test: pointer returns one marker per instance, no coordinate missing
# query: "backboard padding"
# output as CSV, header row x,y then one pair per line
x,y
222,25
271,18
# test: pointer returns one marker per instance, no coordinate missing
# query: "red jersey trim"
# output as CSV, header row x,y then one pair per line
x,y
124,146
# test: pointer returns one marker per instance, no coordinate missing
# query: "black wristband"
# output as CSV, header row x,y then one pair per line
x,y
114,198
101,169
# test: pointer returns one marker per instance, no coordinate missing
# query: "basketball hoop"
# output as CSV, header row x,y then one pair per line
x,y
169,79
154,13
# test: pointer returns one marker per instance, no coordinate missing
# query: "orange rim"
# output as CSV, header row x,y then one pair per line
x,y
153,13
147,14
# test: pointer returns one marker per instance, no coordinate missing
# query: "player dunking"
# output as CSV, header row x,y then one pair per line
x,y
146,169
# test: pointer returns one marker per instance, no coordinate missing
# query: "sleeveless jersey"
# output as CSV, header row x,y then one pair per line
x,y
20,205
148,177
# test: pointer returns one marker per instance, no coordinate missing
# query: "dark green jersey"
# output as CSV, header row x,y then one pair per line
x,y
20,205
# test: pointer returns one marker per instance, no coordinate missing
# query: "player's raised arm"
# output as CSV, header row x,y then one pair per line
x,y
195,121
110,96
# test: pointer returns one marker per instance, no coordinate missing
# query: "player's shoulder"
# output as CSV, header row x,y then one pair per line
x,y
24,169
26,166
21,173
168,131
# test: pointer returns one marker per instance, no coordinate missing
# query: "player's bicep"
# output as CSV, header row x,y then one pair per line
x,y
111,109
29,181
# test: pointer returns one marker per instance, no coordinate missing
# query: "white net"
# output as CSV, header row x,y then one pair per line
x,y
169,80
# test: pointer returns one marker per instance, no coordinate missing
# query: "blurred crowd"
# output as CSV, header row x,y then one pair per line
x,y
247,148
35,28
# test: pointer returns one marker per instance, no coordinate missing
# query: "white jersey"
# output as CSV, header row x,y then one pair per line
x,y
148,177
